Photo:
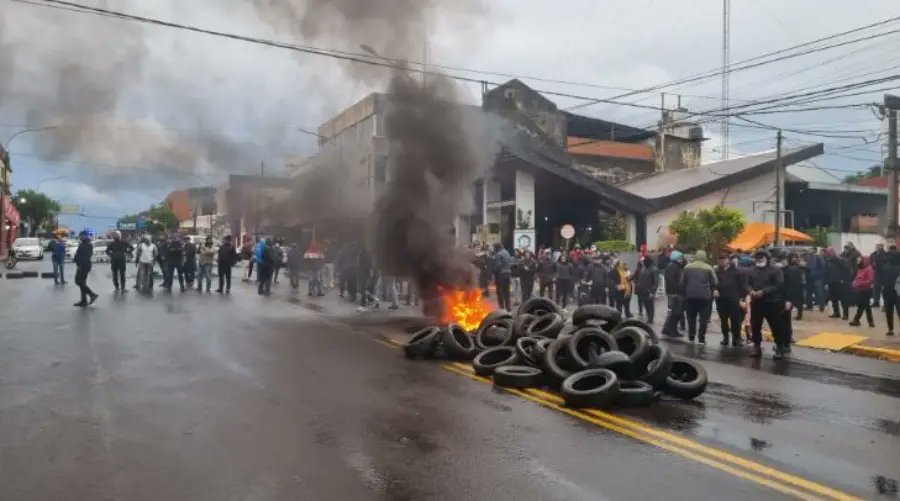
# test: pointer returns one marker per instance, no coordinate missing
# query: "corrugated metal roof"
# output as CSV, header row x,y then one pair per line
x,y
808,172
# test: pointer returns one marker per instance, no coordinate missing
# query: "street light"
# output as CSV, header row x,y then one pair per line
x,y
23,131
22,200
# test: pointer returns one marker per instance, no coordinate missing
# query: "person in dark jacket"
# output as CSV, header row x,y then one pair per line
x,y
878,260
162,256
366,277
118,251
646,283
863,283
546,272
527,270
565,280
175,262
890,273
226,258
766,284
598,276
698,283
84,256
190,262
295,264
482,262
265,268
58,256
794,285
501,266
838,275
815,284
731,291
674,295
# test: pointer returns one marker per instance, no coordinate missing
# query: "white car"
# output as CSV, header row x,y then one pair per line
x,y
28,248
100,251
71,247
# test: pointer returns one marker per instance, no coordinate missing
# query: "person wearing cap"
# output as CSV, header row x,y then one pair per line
x,y
766,284
83,259
698,283
674,295
732,288
118,251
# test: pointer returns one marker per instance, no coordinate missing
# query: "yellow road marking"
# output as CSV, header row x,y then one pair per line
x,y
831,341
386,343
671,442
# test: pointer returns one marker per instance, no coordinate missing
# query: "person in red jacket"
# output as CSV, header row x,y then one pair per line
x,y
862,289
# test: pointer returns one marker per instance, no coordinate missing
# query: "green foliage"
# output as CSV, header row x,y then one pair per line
x,y
157,219
707,229
614,227
36,208
820,235
874,171
614,246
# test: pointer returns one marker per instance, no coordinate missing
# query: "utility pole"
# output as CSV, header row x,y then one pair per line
x,y
778,189
726,62
661,167
892,169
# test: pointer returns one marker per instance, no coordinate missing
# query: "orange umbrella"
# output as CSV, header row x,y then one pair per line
x,y
755,235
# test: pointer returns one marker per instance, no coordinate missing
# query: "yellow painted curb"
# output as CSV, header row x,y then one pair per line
x,y
873,351
831,341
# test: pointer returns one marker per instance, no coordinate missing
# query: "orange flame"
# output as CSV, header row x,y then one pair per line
x,y
464,307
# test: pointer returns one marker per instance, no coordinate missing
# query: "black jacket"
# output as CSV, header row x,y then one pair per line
x,y
84,254
270,256
646,280
118,250
598,275
546,270
838,270
889,273
175,254
673,279
565,271
227,255
527,268
162,251
794,283
732,283
770,281
878,259
190,253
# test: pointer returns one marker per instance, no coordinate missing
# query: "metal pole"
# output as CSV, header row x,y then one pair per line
x,y
892,171
726,56
778,189
662,133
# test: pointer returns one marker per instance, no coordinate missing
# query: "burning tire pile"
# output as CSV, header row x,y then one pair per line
x,y
594,359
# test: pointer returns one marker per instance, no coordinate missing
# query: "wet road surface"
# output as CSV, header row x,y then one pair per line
x,y
213,397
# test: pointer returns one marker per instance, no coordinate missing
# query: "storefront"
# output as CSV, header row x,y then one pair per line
x,y
11,221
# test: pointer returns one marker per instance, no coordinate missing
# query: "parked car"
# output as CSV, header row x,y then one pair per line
x,y
71,247
100,251
28,248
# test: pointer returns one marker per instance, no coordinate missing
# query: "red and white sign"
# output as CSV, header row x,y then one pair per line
x,y
567,231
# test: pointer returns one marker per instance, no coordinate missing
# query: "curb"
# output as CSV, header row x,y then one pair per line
x,y
873,352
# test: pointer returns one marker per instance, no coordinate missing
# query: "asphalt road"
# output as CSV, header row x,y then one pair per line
x,y
193,396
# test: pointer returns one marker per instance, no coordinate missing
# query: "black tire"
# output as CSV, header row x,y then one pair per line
x,y
602,312
540,348
13,275
525,347
634,342
423,343
591,388
588,343
548,325
518,376
539,306
644,326
489,360
635,394
521,323
687,380
557,366
618,362
29,274
47,274
457,343
498,332
656,367
494,315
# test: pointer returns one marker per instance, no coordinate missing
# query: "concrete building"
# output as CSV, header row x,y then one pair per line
x,y
196,209
9,215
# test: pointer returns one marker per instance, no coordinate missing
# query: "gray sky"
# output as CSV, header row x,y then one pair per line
x,y
214,106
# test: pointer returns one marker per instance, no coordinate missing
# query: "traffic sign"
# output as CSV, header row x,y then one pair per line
x,y
567,231
70,209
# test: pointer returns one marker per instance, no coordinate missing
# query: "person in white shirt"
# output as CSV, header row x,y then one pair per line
x,y
145,259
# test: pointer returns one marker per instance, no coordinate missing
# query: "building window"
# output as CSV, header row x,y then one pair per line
x,y
381,168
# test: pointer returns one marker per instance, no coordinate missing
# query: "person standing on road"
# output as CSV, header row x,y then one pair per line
x,y
58,256
646,285
863,283
732,288
815,285
891,272
265,266
766,283
794,285
226,258
838,275
698,281
527,269
598,277
190,262
295,264
175,262
674,295
162,257
565,280
279,260
248,251
145,258
501,265
621,287
208,252
851,254
83,261
546,272
315,257
118,251
878,260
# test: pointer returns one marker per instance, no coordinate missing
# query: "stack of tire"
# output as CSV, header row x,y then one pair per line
x,y
595,358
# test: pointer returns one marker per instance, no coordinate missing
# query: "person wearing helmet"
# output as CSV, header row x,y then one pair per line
x,y
766,283
118,251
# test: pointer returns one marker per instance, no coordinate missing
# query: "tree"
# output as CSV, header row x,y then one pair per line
x,y
36,209
707,229
613,227
157,219
874,171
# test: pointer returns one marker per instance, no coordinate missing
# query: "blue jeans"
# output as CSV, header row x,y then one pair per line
x,y
59,275
205,273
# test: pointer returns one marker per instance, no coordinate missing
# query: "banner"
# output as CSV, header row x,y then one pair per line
x,y
524,240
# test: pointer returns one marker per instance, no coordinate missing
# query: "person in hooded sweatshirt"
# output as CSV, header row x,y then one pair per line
x,y
674,295
698,281
838,276
863,284
889,275
766,283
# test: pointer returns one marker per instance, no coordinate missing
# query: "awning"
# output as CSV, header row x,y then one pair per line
x,y
756,235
